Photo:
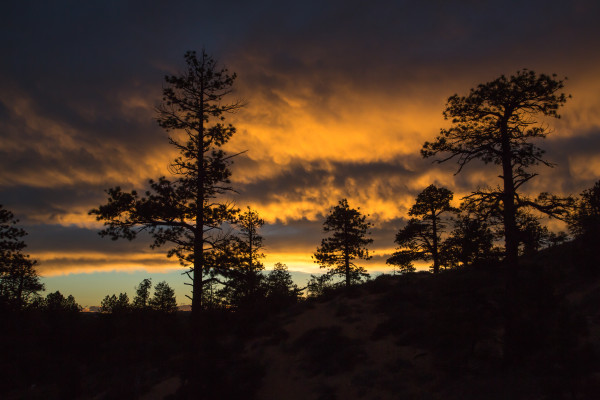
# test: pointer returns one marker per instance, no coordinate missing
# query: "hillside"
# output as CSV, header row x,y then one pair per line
x,y
462,334
458,335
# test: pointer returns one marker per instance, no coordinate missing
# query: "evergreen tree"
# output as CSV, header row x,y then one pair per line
x,y
142,295
115,305
470,242
420,239
585,220
250,243
164,298
533,236
185,212
280,288
247,272
348,242
319,285
56,302
497,123
19,280
239,261
402,261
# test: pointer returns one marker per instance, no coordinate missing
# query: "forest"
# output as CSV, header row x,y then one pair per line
x,y
508,304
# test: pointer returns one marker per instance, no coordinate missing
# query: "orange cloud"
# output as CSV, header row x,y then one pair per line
x,y
64,263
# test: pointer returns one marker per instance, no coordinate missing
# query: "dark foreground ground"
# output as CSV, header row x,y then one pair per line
x,y
465,334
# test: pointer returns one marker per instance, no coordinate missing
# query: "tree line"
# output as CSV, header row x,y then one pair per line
x,y
499,123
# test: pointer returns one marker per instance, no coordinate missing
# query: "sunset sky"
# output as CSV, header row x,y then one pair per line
x,y
340,97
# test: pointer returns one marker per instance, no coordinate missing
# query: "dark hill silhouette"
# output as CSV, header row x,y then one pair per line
x,y
414,336
442,337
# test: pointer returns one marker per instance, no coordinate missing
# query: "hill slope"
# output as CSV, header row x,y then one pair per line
x,y
463,334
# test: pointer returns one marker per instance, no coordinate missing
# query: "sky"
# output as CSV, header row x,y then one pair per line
x,y
341,96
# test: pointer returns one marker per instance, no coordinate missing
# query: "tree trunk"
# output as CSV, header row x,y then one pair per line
x,y
199,233
346,255
19,294
250,284
511,232
436,261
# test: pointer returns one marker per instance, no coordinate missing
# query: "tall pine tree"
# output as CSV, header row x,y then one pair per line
x,y
499,122
348,241
187,211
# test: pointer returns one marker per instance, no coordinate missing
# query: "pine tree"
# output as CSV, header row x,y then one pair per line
x,y
186,213
19,280
420,239
470,242
164,298
585,220
115,305
142,294
348,242
241,263
57,303
498,123
280,287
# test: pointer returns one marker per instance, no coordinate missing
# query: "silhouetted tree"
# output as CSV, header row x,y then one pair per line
x,y
188,211
496,123
115,305
319,285
142,295
533,236
470,242
164,298
280,288
19,280
56,302
421,237
402,261
239,261
585,220
557,238
249,245
349,241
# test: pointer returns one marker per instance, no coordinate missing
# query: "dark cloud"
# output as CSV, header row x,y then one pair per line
x,y
298,176
29,203
74,239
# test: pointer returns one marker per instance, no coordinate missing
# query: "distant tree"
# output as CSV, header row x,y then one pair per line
x,y
251,242
557,238
19,280
142,296
421,237
319,285
211,296
115,305
187,212
246,273
496,123
348,242
164,298
585,220
533,236
470,242
280,288
238,260
402,261
57,303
